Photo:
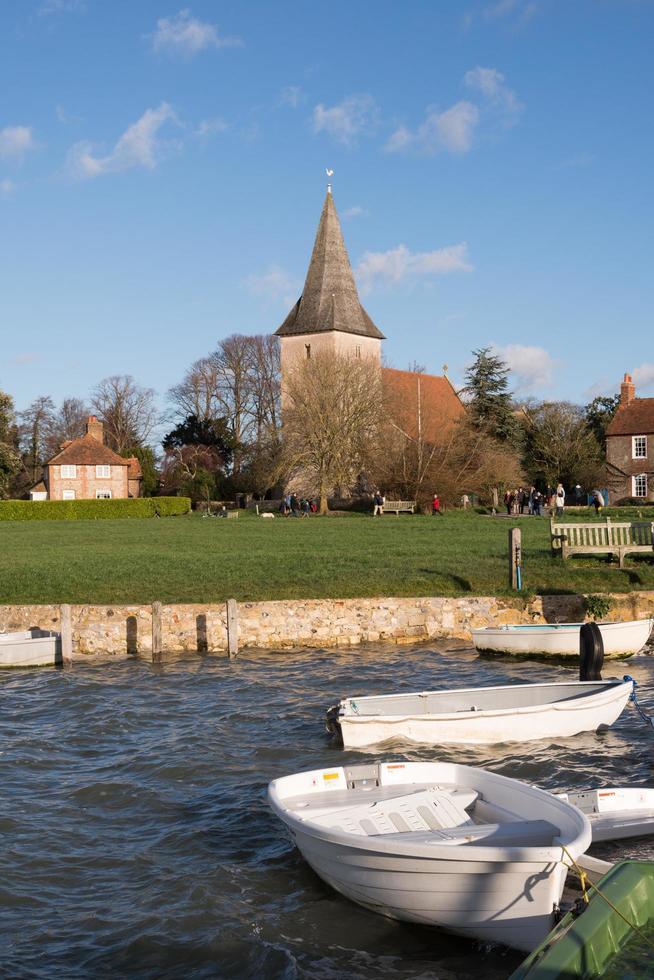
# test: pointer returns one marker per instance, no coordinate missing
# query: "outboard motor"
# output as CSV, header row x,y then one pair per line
x,y
591,652
332,723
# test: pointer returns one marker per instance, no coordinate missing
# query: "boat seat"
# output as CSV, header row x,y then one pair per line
x,y
517,833
431,810
312,805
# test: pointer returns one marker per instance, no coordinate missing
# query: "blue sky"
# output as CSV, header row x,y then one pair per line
x,y
162,171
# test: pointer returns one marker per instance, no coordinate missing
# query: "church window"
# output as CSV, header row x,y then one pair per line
x,y
307,348
357,351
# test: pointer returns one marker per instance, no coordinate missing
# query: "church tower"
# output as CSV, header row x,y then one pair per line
x,y
328,315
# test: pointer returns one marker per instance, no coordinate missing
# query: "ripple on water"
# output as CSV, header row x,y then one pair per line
x,y
137,841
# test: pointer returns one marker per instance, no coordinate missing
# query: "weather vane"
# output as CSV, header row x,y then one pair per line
x,y
330,173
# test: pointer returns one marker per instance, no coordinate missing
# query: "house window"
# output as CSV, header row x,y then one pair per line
x,y
357,351
640,447
69,472
640,485
68,494
103,494
103,471
307,348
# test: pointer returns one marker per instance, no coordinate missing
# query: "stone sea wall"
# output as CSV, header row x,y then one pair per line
x,y
306,622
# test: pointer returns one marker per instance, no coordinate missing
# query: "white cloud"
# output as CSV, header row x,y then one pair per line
x,y
186,35
356,211
7,188
355,116
489,82
643,376
532,367
400,265
49,7
139,146
451,130
16,141
207,127
274,286
291,96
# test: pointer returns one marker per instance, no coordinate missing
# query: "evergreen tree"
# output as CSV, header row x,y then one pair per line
x,y
599,414
490,403
10,461
149,471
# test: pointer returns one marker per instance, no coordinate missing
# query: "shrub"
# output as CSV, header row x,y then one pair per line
x,y
597,606
85,510
633,502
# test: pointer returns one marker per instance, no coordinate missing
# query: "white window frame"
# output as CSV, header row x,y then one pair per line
x,y
68,471
103,471
103,494
68,494
38,495
639,443
634,485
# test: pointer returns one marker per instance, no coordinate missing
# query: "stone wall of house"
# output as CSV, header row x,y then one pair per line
x,y
309,623
619,454
85,483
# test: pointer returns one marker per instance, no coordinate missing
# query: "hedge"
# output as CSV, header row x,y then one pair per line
x,y
89,510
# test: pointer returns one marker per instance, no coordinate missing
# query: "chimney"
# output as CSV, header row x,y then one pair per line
x,y
94,428
627,390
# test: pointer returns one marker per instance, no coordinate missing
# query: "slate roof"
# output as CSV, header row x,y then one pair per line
x,y
406,391
329,300
635,418
87,451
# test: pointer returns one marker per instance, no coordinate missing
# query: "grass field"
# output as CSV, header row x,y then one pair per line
x,y
190,559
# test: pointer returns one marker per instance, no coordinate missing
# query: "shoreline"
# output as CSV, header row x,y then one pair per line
x,y
304,623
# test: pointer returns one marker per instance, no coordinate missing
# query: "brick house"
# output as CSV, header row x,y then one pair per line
x,y
86,469
630,446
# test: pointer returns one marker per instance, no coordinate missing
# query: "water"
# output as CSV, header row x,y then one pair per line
x,y
136,841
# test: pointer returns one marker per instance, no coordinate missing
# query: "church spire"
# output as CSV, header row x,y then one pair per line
x,y
329,300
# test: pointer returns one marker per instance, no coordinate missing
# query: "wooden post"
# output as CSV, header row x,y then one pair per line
x,y
157,633
232,628
515,558
66,635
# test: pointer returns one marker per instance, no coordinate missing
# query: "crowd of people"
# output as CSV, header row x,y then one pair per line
x,y
533,501
294,506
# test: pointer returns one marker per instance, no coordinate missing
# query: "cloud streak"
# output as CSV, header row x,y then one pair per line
x,y
186,36
355,116
490,83
533,367
139,146
15,142
451,130
400,265
274,286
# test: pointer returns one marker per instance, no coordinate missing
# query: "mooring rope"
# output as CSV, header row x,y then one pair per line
x,y
585,882
649,719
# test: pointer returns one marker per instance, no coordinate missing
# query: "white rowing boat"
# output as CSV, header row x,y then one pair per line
x,y
481,715
30,648
437,843
615,813
561,639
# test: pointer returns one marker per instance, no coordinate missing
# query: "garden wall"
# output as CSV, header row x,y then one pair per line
x,y
306,622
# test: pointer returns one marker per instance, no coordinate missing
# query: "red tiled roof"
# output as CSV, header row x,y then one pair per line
x,y
406,391
87,451
39,487
635,418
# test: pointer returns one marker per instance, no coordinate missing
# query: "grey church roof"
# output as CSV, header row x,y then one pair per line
x,y
329,300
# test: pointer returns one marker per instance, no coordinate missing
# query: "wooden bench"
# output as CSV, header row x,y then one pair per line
x,y
636,537
397,506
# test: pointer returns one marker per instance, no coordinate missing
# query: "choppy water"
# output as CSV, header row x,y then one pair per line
x,y
135,838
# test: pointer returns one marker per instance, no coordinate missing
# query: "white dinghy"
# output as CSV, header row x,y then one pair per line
x,y
561,639
31,648
615,813
481,715
437,843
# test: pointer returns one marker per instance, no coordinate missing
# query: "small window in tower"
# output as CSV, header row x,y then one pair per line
x,y
357,351
307,348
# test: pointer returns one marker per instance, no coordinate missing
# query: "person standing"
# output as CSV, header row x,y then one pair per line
x,y
560,500
598,501
436,506
378,501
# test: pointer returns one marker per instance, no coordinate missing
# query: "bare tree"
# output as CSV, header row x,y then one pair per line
x,y
10,463
559,445
35,424
330,418
197,393
127,411
68,422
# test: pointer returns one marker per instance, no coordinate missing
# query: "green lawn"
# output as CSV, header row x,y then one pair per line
x,y
189,559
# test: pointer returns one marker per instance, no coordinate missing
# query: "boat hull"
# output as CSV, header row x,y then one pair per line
x,y
561,640
496,893
470,726
33,648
